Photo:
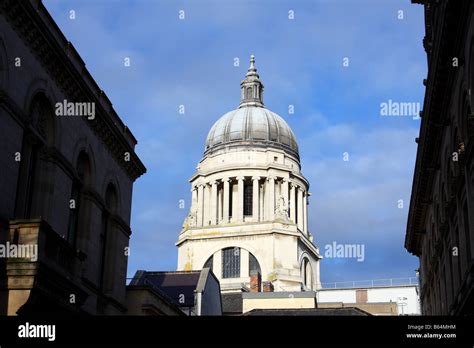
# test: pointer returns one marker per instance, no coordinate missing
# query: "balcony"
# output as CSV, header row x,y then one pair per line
x,y
42,269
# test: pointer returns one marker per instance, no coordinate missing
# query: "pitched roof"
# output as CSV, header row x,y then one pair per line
x,y
177,286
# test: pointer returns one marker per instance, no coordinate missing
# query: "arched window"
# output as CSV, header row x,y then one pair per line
x,y
111,198
231,258
209,263
249,92
231,263
307,274
32,186
254,266
3,65
75,204
111,202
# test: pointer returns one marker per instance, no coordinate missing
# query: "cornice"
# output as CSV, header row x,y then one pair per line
x,y
63,64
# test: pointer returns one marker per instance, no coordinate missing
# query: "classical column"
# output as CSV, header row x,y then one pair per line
x,y
300,209
213,206
193,199
244,263
271,198
219,205
284,193
305,213
292,203
225,214
255,202
240,199
206,204
200,206
316,275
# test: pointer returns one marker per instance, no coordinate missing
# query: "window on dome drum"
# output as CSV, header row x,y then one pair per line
x,y
231,263
248,197
307,273
254,266
209,263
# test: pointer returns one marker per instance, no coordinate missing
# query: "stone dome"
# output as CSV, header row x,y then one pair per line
x,y
251,124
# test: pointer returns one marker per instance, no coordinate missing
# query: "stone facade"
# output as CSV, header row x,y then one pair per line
x,y
441,218
249,195
65,182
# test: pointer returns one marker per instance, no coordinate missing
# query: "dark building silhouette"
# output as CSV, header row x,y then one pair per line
x,y
66,174
440,227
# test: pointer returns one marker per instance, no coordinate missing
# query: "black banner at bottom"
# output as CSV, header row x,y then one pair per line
x,y
135,331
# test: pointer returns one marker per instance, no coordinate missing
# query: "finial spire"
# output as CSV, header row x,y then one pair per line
x,y
252,63
251,87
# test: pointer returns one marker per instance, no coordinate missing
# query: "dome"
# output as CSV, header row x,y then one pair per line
x,y
251,124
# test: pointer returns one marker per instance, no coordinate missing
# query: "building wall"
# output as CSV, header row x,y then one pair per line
x,y
65,140
143,301
274,247
441,218
281,300
404,296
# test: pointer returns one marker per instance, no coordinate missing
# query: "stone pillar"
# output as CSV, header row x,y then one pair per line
x,y
255,201
317,280
213,205
206,198
270,198
292,203
219,205
200,205
305,213
299,219
194,199
225,213
240,199
284,192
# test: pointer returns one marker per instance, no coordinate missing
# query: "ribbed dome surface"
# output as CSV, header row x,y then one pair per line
x,y
251,125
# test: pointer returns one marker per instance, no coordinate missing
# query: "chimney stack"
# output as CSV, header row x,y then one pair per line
x,y
255,281
267,287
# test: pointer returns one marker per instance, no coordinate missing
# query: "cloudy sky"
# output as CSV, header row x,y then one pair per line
x,y
190,62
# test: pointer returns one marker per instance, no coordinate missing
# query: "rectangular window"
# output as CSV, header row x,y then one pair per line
x,y
231,263
248,197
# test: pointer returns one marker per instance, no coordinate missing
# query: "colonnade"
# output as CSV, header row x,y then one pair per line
x,y
228,200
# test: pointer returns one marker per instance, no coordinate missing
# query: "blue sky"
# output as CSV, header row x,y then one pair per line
x,y
190,62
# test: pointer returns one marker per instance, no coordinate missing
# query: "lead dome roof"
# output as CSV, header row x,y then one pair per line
x,y
251,124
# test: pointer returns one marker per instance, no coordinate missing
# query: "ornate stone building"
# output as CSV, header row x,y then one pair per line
x,y
440,227
249,212
65,182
